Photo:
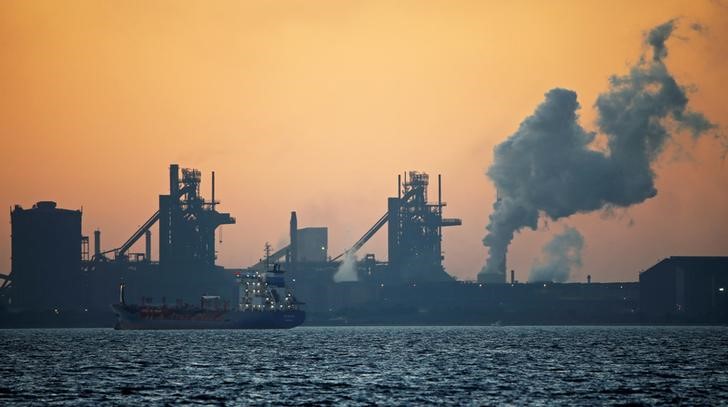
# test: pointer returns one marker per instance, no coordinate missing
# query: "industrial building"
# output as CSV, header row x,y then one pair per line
x,y
686,289
55,278
415,231
187,224
57,281
414,241
313,245
46,254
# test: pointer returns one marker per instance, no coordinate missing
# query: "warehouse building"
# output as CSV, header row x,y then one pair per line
x,y
686,289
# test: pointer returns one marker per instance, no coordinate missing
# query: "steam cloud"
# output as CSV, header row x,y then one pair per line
x,y
347,270
560,256
549,165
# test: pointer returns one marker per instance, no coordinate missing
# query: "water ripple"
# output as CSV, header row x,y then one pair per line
x,y
372,365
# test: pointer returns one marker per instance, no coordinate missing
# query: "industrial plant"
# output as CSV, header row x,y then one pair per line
x,y
58,280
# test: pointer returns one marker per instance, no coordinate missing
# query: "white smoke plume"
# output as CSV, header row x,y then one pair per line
x,y
549,166
559,258
347,269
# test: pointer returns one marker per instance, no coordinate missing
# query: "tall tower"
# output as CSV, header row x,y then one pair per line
x,y
187,222
497,274
415,231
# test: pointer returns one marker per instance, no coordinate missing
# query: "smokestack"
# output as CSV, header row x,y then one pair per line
x,y
97,243
439,191
213,190
588,279
148,245
399,186
174,181
513,276
631,113
294,237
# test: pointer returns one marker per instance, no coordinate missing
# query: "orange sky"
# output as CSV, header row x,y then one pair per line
x,y
315,106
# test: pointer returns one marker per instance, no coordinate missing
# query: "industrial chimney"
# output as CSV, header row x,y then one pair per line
x,y
97,243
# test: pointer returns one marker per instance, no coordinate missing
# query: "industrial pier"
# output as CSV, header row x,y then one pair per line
x,y
56,280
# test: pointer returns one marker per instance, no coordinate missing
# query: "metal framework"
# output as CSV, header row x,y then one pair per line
x,y
187,224
415,230
414,235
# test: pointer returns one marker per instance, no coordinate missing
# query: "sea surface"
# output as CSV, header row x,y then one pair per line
x,y
367,365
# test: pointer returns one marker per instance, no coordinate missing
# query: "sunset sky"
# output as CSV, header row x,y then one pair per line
x,y
316,106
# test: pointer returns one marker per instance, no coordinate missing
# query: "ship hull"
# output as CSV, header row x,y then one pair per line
x,y
129,318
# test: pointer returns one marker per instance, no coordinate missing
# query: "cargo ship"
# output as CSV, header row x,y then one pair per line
x,y
264,302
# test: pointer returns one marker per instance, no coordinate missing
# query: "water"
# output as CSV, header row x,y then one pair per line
x,y
382,365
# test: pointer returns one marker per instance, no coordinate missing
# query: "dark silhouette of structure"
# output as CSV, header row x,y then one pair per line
x,y
187,222
414,238
686,289
54,277
46,254
57,281
415,231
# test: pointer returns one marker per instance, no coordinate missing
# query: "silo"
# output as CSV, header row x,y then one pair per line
x,y
46,257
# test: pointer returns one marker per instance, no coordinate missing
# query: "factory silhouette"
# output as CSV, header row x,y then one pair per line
x,y
56,278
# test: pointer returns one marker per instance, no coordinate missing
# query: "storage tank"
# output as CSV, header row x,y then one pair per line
x,y
46,256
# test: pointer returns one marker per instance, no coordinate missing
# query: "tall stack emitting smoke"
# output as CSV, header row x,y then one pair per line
x,y
549,165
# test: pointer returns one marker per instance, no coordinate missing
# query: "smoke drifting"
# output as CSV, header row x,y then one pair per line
x,y
560,256
548,166
347,270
